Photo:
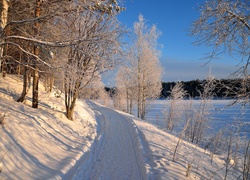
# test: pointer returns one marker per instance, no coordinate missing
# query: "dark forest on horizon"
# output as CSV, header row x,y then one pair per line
x,y
224,88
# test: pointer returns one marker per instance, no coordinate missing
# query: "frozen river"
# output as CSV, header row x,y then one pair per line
x,y
220,114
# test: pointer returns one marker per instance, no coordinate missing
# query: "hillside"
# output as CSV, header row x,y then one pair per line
x,y
43,144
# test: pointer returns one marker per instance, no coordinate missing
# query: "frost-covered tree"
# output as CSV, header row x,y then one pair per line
x,y
173,113
97,52
143,69
95,90
33,26
124,93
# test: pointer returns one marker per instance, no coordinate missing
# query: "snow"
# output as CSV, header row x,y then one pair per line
x,y
41,143
162,146
221,114
158,147
100,143
116,153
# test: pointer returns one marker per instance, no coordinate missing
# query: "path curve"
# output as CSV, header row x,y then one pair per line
x,y
116,152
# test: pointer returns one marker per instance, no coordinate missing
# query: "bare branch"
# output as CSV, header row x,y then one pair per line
x,y
27,52
224,26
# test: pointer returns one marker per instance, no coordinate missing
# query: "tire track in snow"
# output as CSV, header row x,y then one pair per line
x,y
116,153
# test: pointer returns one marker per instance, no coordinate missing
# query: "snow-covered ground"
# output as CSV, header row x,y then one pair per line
x,y
99,144
116,153
41,143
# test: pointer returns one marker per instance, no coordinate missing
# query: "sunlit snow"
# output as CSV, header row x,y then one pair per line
x,y
100,143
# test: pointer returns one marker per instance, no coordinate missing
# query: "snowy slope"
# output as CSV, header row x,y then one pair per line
x,y
158,147
41,143
99,144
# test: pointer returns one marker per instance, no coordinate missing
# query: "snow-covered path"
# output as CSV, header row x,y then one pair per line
x,y
116,152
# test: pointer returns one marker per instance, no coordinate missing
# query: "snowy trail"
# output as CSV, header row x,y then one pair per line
x,y
116,152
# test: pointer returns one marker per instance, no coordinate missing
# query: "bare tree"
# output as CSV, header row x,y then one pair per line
x,y
225,26
187,110
95,90
200,118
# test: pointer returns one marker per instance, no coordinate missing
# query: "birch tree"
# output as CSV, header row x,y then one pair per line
x,y
4,6
124,97
144,68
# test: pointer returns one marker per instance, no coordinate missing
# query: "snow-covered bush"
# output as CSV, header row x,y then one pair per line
x,y
200,116
174,112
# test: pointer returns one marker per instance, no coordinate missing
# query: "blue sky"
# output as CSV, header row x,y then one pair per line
x,y
180,59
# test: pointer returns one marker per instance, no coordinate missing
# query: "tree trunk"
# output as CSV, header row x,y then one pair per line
x,y
71,94
70,103
131,103
48,82
143,101
139,89
3,21
138,105
127,100
51,82
69,114
70,110
35,88
26,78
143,111
36,52
5,53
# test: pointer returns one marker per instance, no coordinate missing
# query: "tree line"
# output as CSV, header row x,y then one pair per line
x,y
224,88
